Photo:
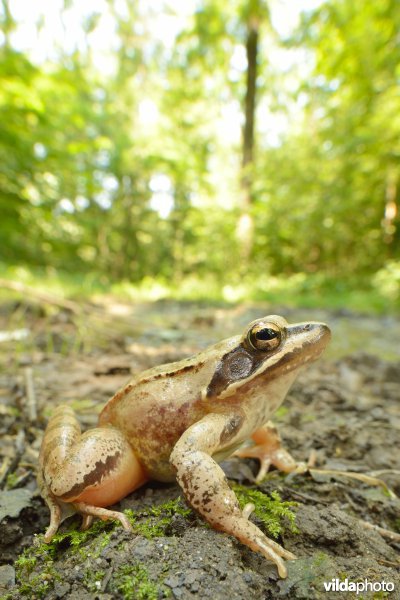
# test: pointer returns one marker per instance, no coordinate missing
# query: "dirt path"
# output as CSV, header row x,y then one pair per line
x,y
346,408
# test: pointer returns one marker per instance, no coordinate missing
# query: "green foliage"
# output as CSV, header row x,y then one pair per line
x,y
93,185
35,573
132,581
92,579
275,514
11,481
159,517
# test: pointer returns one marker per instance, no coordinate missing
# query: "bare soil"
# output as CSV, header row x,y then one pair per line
x,y
345,409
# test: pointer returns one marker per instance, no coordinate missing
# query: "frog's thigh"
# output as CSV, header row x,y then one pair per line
x,y
268,449
100,469
92,471
206,487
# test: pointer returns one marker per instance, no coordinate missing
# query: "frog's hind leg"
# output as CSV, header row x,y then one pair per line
x,y
268,449
91,471
54,507
61,434
206,487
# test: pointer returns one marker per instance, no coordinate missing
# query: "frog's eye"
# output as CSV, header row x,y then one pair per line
x,y
264,336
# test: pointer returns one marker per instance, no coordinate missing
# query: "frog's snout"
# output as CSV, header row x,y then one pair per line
x,y
312,336
322,334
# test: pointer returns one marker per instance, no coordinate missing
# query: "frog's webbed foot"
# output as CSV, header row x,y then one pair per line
x,y
206,487
89,512
268,450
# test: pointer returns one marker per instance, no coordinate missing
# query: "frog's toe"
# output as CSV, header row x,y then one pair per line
x,y
89,512
248,533
247,510
87,521
268,450
55,520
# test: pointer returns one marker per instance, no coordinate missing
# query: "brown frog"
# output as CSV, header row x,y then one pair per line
x,y
177,421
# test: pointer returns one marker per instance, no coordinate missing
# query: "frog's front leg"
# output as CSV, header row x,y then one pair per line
x,y
268,449
91,471
206,487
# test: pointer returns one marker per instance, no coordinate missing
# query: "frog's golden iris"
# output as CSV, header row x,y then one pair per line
x,y
265,336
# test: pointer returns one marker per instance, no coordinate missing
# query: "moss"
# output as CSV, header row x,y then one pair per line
x,y
25,563
35,572
159,517
320,558
76,538
276,514
35,584
92,579
280,413
133,583
11,481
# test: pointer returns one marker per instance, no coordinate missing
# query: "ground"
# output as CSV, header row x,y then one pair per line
x,y
344,409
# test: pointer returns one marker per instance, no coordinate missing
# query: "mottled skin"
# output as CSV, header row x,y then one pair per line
x,y
178,421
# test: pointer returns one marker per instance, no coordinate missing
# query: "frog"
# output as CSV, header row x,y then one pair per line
x,y
178,422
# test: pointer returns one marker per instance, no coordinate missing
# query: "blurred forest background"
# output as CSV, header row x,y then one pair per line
x,y
202,149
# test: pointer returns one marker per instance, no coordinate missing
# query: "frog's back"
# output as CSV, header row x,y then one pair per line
x,y
177,382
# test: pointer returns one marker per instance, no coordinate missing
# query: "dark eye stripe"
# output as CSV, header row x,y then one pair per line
x,y
236,365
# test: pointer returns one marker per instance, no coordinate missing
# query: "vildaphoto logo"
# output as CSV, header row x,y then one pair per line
x,y
344,585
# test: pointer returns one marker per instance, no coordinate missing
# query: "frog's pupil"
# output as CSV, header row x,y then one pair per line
x,y
266,334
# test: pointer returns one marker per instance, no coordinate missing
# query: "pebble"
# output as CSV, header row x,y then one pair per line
x,y
7,576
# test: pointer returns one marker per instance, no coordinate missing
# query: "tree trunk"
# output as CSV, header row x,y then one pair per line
x,y
245,224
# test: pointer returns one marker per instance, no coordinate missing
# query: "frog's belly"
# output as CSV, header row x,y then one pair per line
x,y
157,469
160,468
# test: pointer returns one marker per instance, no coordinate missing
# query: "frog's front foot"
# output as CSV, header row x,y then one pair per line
x,y
206,487
268,450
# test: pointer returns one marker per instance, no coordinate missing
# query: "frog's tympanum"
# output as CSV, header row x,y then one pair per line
x,y
178,421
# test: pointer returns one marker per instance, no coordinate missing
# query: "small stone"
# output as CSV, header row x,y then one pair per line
x,y
7,576
13,501
190,577
61,589
173,581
